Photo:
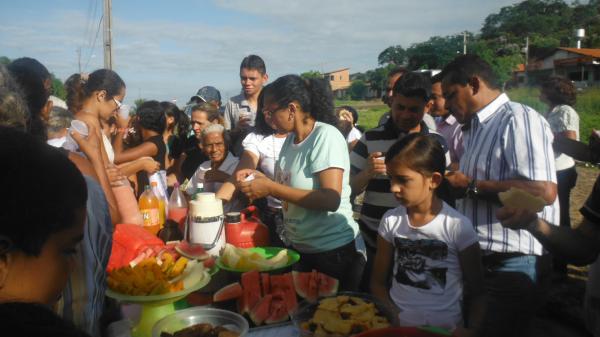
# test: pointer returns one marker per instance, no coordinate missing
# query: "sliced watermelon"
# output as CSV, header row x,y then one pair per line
x,y
266,283
228,292
261,311
278,310
313,286
302,283
251,290
308,285
328,286
289,294
209,263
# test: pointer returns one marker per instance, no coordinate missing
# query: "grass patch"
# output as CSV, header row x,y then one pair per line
x,y
588,108
369,112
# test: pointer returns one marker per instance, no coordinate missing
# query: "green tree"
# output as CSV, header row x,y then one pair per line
x,y
376,79
502,59
358,90
4,60
395,55
311,74
137,103
58,88
435,53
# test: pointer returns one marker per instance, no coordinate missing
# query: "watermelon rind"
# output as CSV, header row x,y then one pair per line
x,y
328,286
228,292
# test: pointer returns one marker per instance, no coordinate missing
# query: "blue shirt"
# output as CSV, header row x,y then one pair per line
x,y
82,300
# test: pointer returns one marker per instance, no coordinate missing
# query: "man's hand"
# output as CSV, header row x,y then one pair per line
x,y
515,218
459,183
243,121
213,175
375,164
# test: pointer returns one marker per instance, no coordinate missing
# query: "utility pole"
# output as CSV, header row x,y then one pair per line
x,y
79,58
108,60
465,42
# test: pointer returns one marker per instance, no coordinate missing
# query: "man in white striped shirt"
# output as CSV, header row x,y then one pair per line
x,y
507,144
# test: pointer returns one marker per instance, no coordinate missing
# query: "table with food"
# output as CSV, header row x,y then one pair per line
x,y
218,276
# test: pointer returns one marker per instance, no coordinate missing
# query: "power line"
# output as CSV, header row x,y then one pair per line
x,y
94,44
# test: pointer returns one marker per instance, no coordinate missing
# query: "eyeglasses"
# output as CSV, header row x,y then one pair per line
x,y
272,111
119,104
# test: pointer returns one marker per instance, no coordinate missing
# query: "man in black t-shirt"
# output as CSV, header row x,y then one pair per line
x,y
579,245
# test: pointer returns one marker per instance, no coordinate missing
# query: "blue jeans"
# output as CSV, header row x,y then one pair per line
x,y
511,295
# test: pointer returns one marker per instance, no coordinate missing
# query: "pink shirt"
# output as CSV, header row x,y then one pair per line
x,y
450,129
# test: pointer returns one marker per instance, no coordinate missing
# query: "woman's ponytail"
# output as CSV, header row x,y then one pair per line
x,y
75,87
321,100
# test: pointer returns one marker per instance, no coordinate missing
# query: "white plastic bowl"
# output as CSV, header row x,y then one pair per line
x,y
184,318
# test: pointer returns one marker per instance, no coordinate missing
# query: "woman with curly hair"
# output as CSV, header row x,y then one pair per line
x,y
152,122
311,179
560,94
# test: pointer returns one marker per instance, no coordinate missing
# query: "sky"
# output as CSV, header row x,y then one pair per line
x,y
168,49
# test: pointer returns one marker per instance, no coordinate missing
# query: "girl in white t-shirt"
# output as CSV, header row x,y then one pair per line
x,y
430,248
261,151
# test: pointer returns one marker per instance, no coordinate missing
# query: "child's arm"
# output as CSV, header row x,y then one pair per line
x,y
379,275
146,149
474,293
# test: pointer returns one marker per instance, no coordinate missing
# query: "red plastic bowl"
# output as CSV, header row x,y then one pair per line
x,y
398,332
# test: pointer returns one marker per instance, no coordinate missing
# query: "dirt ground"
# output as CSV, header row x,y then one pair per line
x,y
561,315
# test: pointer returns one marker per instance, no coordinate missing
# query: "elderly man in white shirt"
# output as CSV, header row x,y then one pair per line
x,y
215,171
507,144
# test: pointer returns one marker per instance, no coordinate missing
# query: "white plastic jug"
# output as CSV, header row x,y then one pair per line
x,y
205,223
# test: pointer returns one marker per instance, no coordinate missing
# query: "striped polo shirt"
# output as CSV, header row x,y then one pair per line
x,y
507,141
378,199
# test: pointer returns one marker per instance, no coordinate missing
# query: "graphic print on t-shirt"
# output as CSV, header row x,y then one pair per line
x,y
283,177
414,263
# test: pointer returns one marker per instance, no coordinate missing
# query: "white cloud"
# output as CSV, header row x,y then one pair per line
x,y
165,59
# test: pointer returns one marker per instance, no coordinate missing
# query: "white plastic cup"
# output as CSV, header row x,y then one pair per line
x,y
81,128
124,111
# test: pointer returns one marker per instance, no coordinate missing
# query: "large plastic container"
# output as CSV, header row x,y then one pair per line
x,y
188,317
205,225
244,229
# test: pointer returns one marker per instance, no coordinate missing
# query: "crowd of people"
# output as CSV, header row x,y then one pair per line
x,y
431,239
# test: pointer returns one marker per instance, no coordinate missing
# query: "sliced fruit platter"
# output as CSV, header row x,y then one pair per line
x,y
269,299
238,259
342,315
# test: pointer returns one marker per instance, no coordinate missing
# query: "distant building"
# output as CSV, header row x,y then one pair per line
x,y
579,65
339,80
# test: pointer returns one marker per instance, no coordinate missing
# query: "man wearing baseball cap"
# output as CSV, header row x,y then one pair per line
x,y
207,94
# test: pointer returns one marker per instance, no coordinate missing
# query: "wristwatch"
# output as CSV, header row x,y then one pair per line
x,y
472,190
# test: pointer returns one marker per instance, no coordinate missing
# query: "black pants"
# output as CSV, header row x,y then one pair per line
x,y
566,181
272,218
344,263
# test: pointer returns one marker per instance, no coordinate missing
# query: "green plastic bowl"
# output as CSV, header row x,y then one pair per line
x,y
268,252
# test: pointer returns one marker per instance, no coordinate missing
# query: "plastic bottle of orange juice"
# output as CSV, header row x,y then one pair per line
x,y
162,205
150,209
